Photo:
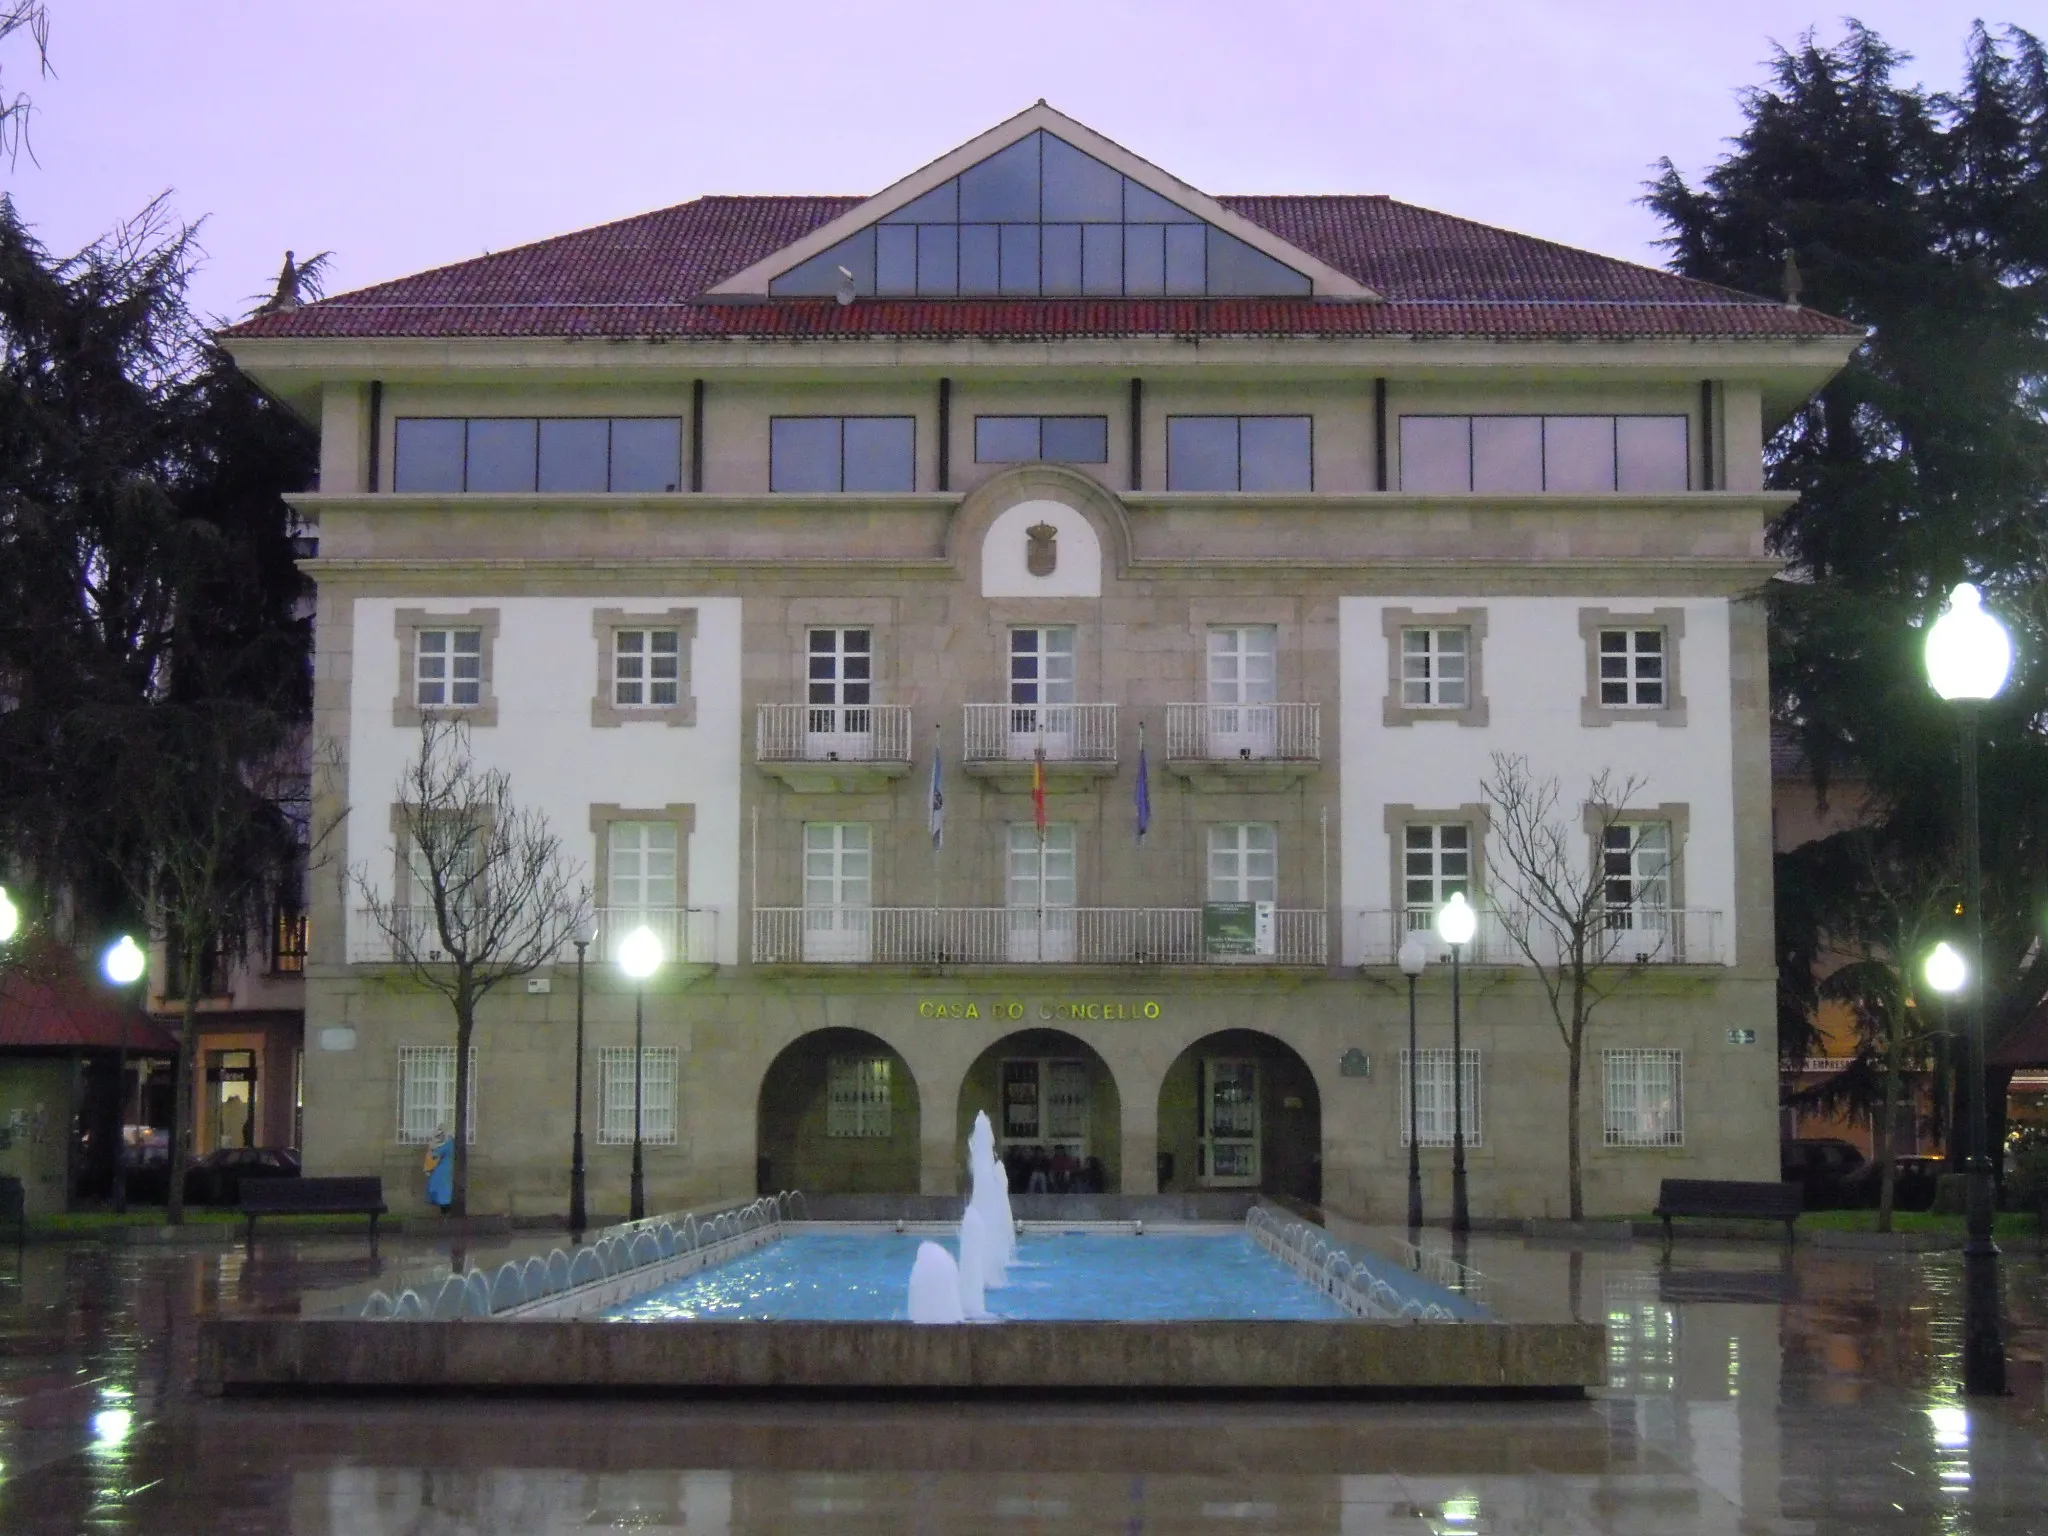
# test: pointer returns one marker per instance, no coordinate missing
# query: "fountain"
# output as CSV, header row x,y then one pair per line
x,y
935,1290
990,1198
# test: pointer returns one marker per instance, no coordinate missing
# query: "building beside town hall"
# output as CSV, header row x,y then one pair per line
x,y
720,524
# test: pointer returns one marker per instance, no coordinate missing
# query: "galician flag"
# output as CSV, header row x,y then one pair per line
x,y
1144,787
938,794
1038,792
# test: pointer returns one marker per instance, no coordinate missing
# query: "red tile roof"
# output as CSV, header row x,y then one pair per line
x,y
50,1001
1439,276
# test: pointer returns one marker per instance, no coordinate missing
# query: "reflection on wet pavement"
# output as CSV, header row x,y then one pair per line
x,y
1749,1392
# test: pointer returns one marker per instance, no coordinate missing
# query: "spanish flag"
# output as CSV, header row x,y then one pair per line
x,y
1038,792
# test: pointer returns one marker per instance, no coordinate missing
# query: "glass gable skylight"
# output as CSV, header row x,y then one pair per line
x,y
1041,218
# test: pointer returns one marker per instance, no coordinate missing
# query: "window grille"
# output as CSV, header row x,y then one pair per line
x,y
1645,1098
658,1065
1433,1106
857,1097
426,1093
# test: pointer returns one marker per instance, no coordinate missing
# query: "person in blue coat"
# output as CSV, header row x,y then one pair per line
x,y
440,1170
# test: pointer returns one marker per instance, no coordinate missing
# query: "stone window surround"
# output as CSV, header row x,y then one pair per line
x,y
605,624
1672,621
1396,818
1675,813
401,851
408,622
874,614
1393,712
1080,614
1281,614
601,818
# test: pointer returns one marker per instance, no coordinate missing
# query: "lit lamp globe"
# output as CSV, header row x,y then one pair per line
x,y
1457,922
640,953
1414,954
10,916
1945,970
124,962
1968,651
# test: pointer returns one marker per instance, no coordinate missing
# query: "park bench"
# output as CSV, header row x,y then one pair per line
x,y
351,1196
14,1208
1727,1198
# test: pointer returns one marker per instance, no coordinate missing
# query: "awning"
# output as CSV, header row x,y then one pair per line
x,y
51,1000
2026,1046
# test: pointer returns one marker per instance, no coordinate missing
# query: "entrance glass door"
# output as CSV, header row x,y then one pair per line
x,y
1230,1121
231,1098
1045,1105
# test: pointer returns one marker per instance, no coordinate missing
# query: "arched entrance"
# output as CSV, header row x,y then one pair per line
x,y
1239,1110
838,1114
1047,1092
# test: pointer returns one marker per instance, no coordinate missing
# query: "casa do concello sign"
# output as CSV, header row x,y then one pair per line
x,y
1015,1010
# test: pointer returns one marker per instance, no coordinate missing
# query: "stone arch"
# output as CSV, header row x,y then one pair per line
x,y
793,1144
1286,1139
979,509
1001,1067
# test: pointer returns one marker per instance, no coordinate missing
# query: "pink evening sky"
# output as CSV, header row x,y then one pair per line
x,y
405,134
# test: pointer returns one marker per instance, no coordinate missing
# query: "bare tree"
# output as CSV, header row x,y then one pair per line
x,y
485,894
32,17
1547,878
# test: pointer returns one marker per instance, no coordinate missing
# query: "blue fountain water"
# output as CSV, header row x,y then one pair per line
x,y
861,1276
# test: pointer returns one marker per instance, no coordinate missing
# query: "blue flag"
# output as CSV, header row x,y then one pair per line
x,y
938,807
1144,787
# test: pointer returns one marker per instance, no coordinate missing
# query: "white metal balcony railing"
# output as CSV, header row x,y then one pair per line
x,y
687,934
1637,936
801,733
1016,936
1016,733
1244,732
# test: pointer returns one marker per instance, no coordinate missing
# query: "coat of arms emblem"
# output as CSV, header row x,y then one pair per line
x,y
1041,549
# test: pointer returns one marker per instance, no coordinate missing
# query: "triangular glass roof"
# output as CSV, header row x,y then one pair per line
x,y
1042,218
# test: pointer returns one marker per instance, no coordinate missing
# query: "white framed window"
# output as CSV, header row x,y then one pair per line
x,y
838,886
1645,1100
1243,664
448,668
658,1068
1635,866
457,854
1039,890
839,682
1632,674
1436,863
1435,1111
1041,668
640,865
426,1093
1244,862
857,1097
646,668
1230,1120
1436,667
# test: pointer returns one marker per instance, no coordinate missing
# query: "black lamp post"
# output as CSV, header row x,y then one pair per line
x,y
124,964
1456,924
1414,956
639,958
579,1211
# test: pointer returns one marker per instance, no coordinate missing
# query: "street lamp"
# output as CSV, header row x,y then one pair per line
x,y
1968,657
10,916
579,1213
1945,969
1455,925
123,964
1414,956
639,958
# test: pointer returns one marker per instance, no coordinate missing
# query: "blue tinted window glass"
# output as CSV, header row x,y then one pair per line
x,y
896,259
1005,439
1075,439
1020,258
938,258
1145,258
880,453
803,453
501,455
1102,258
820,275
1235,267
1079,187
1274,453
1144,206
647,454
1004,187
428,455
1186,264
1201,453
941,205
1062,270
978,258
573,454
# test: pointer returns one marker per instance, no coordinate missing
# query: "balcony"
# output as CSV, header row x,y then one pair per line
x,y
830,749
687,934
1243,746
1018,936
1673,936
1002,741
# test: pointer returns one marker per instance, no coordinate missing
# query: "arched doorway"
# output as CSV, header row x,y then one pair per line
x,y
1046,1091
1239,1110
838,1114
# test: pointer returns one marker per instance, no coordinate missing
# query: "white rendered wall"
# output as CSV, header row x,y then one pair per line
x,y
544,678
1534,671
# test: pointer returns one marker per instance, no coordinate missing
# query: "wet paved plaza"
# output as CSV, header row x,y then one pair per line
x,y
1747,1394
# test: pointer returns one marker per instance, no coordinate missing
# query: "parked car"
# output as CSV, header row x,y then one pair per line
x,y
216,1178
1823,1168
1913,1183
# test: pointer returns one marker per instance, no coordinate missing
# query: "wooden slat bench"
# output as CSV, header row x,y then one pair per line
x,y
352,1196
1734,1199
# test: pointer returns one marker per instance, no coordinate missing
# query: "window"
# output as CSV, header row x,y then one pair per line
x,y
426,1092
1239,453
1645,1098
213,970
640,867
1244,862
839,682
448,668
643,668
1041,217
837,887
445,665
1434,668
1244,666
646,668
658,1069
1510,454
288,940
523,454
1636,872
842,453
1436,864
1053,439
1042,691
857,1097
1631,669
1039,892
1045,1104
1230,1121
1436,1116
